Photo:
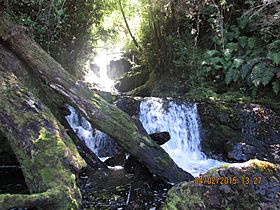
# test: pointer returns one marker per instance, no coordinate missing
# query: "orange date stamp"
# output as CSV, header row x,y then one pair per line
x,y
224,180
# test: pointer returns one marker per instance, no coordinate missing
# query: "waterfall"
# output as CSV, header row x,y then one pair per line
x,y
102,60
181,120
100,143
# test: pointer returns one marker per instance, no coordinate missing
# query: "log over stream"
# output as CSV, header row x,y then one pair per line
x,y
33,89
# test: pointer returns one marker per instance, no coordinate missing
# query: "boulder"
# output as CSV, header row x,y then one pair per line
x,y
239,132
95,69
118,68
117,160
161,137
132,80
130,105
250,185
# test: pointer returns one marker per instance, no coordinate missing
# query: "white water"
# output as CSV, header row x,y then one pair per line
x,y
96,140
102,60
182,123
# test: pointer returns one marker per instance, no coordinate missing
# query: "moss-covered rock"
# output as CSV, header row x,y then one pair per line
x,y
250,185
132,80
238,131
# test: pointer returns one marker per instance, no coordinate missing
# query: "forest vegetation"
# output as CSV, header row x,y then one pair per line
x,y
224,55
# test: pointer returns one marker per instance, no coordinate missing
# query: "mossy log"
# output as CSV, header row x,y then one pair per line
x,y
102,115
47,155
13,64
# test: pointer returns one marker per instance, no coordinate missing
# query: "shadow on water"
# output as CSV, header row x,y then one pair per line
x,y
118,189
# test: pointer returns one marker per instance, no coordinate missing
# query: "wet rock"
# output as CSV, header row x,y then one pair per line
x,y
239,132
116,160
64,110
160,138
118,68
115,189
132,80
95,68
242,152
132,165
250,185
130,105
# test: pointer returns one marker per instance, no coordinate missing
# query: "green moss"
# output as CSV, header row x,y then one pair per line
x,y
228,131
273,103
263,166
214,170
46,156
182,197
209,94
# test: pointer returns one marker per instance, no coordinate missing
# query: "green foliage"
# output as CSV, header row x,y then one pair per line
x,y
67,29
243,57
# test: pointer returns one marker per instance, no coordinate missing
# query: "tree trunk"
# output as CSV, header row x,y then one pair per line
x,y
14,65
102,115
127,26
45,152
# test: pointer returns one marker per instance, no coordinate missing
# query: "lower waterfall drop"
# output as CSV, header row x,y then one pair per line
x,y
100,143
181,120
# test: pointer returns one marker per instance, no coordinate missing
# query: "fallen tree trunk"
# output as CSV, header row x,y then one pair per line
x,y
102,115
47,155
11,63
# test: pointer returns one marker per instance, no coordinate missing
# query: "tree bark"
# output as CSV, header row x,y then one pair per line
x,y
13,64
102,115
127,26
47,155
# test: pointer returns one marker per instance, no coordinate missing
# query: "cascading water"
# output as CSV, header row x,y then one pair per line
x,y
182,122
100,143
102,60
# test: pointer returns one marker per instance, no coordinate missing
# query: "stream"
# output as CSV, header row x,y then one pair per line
x,y
121,188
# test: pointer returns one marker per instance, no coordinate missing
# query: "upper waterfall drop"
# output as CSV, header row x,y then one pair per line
x,y
102,61
181,120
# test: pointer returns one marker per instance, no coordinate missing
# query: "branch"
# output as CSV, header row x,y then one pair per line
x,y
127,26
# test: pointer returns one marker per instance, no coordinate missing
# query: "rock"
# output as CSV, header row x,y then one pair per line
x,y
169,87
130,105
95,68
239,132
118,68
117,160
160,138
132,165
132,80
64,110
250,185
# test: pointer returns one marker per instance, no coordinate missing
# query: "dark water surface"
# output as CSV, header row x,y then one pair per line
x,y
117,189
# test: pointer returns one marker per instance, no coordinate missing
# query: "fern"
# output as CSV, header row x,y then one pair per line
x,y
262,74
275,57
276,87
248,67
